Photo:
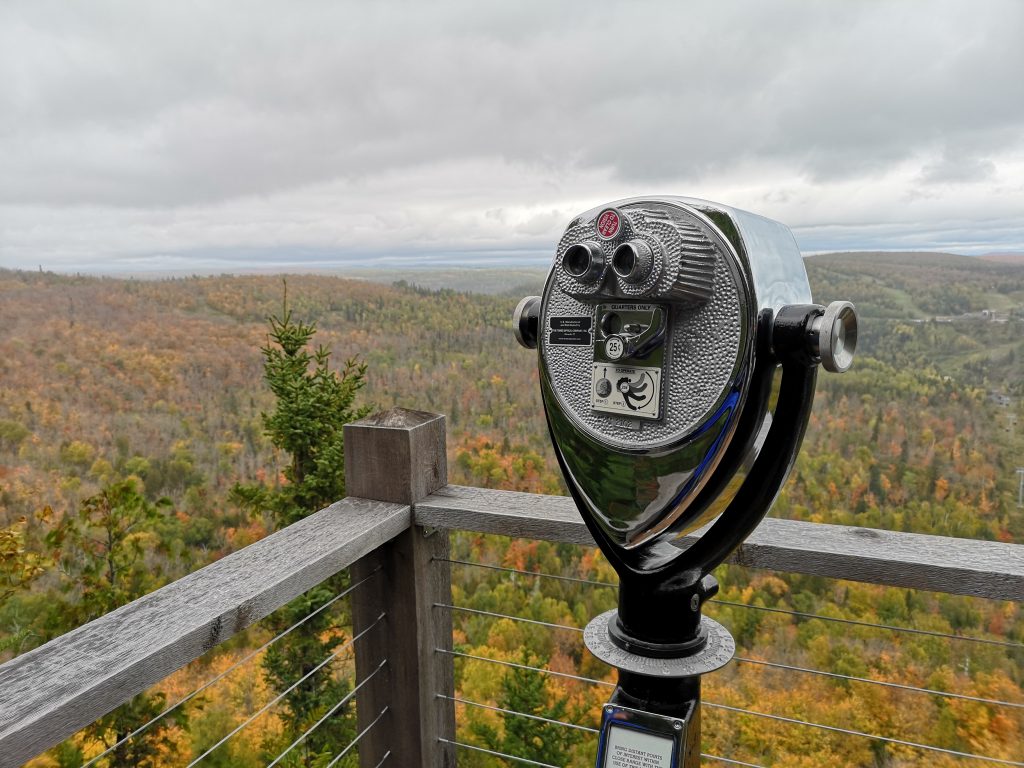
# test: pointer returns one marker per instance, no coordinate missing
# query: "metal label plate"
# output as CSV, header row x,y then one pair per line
x,y
571,330
626,390
633,748
569,338
631,738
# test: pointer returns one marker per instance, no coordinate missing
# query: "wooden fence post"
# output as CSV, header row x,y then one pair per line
x,y
399,455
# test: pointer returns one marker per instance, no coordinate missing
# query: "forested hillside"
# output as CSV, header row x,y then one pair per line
x,y
149,395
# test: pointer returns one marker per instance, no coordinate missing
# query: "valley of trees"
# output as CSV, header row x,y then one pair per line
x,y
134,449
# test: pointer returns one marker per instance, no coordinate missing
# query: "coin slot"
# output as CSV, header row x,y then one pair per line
x,y
611,323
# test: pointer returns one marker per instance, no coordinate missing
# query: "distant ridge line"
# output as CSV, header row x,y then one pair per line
x,y
1004,258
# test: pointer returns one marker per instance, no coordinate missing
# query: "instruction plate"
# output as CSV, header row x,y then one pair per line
x,y
634,748
632,738
626,390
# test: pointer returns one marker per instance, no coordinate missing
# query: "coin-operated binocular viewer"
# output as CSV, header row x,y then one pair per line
x,y
663,324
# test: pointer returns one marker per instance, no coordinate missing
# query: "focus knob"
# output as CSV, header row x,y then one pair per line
x,y
526,322
836,336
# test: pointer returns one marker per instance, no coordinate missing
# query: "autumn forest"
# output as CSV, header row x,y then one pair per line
x,y
139,441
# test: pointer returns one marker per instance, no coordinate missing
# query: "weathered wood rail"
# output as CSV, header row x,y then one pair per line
x,y
397,522
986,569
53,691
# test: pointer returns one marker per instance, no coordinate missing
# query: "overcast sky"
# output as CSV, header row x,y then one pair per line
x,y
156,136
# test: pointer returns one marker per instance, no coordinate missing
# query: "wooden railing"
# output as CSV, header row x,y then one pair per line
x,y
395,527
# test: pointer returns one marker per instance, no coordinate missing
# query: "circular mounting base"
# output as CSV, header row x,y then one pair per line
x,y
716,654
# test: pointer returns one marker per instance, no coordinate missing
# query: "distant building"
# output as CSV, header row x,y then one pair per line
x,y
984,315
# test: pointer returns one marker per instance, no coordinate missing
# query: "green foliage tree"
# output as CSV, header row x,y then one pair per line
x,y
19,567
101,548
12,433
312,405
525,691
101,553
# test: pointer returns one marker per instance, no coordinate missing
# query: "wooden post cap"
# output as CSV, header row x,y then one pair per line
x,y
396,455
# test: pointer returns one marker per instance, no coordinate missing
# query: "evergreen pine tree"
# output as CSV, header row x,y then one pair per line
x,y
525,691
312,405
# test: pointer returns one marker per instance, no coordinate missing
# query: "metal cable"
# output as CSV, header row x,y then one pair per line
x,y
778,718
884,683
836,675
288,690
566,675
849,732
574,725
383,759
871,625
502,755
729,761
233,667
801,614
359,736
505,569
505,616
344,700
517,714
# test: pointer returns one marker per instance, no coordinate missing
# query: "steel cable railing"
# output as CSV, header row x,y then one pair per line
x,y
870,625
523,619
344,646
786,611
516,665
342,702
526,715
771,664
730,761
862,734
221,675
506,569
882,683
358,738
494,753
564,724
777,718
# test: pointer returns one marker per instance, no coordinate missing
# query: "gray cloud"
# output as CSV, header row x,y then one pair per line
x,y
956,166
131,129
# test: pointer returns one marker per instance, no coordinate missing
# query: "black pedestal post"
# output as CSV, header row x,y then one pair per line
x,y
660,644
674,697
